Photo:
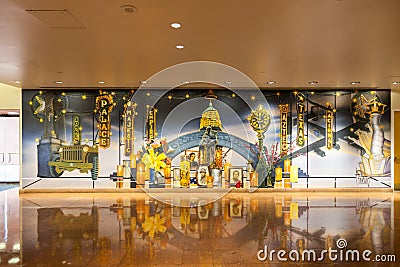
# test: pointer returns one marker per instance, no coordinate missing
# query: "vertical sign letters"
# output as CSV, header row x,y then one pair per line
x,y
284,108
151,123
329,127
76,130
104,105
300,121
129,128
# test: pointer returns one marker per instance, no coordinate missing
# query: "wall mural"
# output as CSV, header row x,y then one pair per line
x,y
207,138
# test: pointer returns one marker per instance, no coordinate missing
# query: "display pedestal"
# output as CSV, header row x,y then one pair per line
x,y
47,150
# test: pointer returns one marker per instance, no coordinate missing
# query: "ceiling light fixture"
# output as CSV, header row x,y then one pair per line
x,y
129,8
396,82
143,82
313,82
17,82
176,25
353,83
185,82
271,82
179,47
228,82
58,82
101,82
210,95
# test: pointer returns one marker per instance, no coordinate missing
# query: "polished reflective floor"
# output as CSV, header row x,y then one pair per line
x,y
334,229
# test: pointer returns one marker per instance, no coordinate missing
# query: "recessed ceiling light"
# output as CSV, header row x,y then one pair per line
x,y
395,83
228,82
271,82
185,82
176,25
179,46
58,82
101,82
129,8
143,82
354,83
313,82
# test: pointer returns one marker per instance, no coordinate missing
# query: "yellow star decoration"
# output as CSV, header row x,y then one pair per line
x,y
154,224
154,160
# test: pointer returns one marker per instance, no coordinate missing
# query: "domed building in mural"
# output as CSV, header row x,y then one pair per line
x,y
210,118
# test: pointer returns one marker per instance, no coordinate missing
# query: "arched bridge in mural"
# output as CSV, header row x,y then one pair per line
x,y
237,144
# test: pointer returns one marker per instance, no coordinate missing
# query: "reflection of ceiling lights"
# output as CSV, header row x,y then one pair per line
x,y
17,82
129,8
13,260
179,46
176,25
143,82
17,247
58,82
313,82
395,83
228,82
271,82
353,83
101,82
185,82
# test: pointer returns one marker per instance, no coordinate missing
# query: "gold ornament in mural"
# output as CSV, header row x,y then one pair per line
x,y
366,103
210,118
260,120
368,107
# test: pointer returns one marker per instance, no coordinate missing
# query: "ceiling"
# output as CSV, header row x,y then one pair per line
x,y
333,42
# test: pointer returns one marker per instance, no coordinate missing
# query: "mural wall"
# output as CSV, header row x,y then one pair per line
x,y
206,138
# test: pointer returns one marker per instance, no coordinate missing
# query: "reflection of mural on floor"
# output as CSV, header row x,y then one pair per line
x,y
148,230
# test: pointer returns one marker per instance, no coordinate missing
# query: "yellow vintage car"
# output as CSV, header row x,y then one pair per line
x,y
76,157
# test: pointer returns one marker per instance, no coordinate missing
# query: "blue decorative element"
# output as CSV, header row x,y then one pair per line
x,y
240,146
152,173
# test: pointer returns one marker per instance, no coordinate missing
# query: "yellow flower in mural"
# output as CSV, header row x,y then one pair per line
x,y
154,224
154,159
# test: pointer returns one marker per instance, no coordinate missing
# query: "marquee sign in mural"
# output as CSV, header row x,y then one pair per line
x,y
300,121
129,128
151,131
329,127
104,105
284,109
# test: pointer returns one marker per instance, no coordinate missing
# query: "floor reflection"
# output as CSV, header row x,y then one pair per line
x,y
113,230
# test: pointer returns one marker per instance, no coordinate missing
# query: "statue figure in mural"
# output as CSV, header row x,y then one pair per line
x,y
207,146
375,157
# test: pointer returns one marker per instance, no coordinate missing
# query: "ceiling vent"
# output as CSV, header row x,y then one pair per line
x,y
61,19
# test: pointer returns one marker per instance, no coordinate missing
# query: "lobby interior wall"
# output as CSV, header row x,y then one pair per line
x,y
10,97
314,159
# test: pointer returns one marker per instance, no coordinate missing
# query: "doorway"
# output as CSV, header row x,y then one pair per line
x,y
396,169
9,147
